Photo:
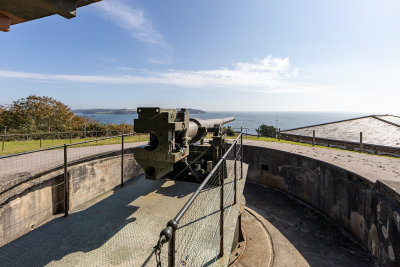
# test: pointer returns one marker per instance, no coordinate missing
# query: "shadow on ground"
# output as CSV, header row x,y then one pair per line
x,y
82,231
318,239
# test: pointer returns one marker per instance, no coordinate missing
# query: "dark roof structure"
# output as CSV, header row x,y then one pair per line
x,y
13,12
377,130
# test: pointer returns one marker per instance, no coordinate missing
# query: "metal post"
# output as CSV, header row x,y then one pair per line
x,y
279,134
4,138
221,206
258,132
241,154
313,137
361,142
66,184
122,161
235,167
171,249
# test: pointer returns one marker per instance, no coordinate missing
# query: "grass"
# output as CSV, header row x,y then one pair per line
x,y
13,147
269,139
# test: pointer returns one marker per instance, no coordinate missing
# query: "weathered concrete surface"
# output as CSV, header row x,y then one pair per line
x,y
300,235
29,204
377,130
366,209
118,228
259,249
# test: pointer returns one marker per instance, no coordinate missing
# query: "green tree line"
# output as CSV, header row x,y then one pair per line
x,y
35,114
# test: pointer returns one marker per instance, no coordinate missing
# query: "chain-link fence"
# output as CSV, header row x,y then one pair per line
x,y
15,143
62,182
195,236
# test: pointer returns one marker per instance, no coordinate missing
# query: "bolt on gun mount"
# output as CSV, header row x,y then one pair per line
x,y
172,143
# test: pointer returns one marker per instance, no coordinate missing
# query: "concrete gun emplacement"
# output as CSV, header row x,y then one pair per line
x,y
176,149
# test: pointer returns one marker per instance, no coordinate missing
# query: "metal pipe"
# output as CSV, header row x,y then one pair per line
x,y
221,207
241,154
235,184
122,160
66,184
171,249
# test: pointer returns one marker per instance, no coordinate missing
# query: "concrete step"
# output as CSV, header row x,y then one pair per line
x,y
266,245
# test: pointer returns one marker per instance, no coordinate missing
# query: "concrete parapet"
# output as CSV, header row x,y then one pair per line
x,y
32,202
347,145
369,211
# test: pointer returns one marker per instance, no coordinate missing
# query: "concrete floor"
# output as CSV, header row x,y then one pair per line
x,y
300,234
120,228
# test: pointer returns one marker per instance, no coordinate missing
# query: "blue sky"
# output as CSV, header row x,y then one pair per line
x,y
254,55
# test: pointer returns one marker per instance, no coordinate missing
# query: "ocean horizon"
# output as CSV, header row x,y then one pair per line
x,y
250,119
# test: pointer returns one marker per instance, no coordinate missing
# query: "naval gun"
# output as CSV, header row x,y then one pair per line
x,y
176,149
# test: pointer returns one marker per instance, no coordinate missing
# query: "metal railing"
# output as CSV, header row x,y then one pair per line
x,y
17,169
191,235
70,136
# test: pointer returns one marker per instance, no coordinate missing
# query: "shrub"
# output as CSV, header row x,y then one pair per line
x,y
267,131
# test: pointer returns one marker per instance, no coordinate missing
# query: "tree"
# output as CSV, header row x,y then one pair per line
x,y
229,131
267,131
2,110
40,113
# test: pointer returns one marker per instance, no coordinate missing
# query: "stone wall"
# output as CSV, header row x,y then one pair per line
x,y
36,201
369,211
347,145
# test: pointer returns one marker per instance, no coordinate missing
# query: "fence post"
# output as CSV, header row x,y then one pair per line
x,y
66,184
221,207
235,167
171,245
241,154
4,138
122,160
258,132
313,137
279,134
361,142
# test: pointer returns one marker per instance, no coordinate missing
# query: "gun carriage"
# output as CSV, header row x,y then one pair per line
x,y
177,149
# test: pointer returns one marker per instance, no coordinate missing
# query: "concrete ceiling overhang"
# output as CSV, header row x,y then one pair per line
x,y
17,11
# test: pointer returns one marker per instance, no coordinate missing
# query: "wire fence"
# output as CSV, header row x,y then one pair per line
x,y
21,171
195,236
13,142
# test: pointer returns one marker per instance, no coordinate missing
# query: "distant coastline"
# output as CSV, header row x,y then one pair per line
x,y
123,111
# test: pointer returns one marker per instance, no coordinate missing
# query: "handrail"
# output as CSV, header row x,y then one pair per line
x,y
209,176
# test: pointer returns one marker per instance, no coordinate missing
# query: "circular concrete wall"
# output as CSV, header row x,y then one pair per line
x,y
369,211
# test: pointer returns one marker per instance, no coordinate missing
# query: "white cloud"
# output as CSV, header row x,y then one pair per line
x,y
268,75
132,19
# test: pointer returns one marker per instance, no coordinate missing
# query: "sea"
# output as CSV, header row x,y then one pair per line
x,y
251,120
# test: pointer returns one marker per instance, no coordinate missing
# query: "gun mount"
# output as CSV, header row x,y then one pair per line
x,y
173,138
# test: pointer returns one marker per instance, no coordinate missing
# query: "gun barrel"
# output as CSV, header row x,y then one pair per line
x,y
198,127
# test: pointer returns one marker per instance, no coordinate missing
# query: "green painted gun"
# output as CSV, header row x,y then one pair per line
x,y
173,135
